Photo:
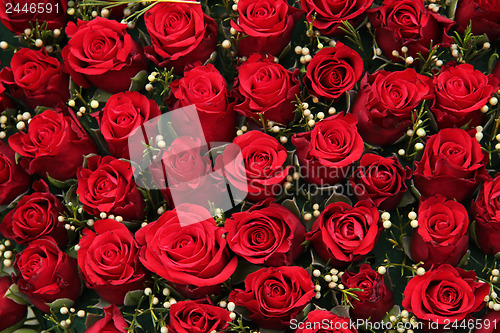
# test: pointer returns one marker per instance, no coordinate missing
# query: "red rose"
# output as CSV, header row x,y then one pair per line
x,y
181,34
485,211
121,116
265,88
112,322
333,71
46,273
267,234
381,180
275,296
453,164
13,179
374,299
106,185
109,261
343,233
207,89
385,102
484,15
266,25
194,317
322,321
327,16
185,247
55,145
18,15
461,92
36,78
444,294
328,151
489,323
101,53
262,171
408,23
10,311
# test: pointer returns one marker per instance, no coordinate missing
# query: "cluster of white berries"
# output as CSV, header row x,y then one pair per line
x,y
6,253
160,141
420,132
242,130
151,79
290,178
332,279
479,133
21,121
230,306
386,223
413,219
433,6
491,299
408,59
404,318
305,54
64,311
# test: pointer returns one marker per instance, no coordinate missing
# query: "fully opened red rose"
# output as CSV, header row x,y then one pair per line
x,y
485,211
197,317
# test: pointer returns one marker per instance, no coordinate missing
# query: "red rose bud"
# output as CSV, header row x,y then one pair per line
x,y
485,211
321,321
49,12
101,53
195,317
177,43
266,25
112,322
327,152
385,102
452,165
483,15
46,273
109,261
13,179
10,311
343,233
275,296
442,235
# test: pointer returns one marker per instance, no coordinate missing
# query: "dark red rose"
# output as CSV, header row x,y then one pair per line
x,y
461,91
55,145
444,294
381,180
266,234
36,78
207,89
327,16
453,165
385,102
181,34
266,25
10,311
485,212
489,323
265,88
13,179
333,71
185,247
106,185
328,151
442,235
484,15
275,296
408,23
263,169
374,299
36,215
123,114
343,234
101,53
195,317
112,322
46,274
109,261
18,15
322,321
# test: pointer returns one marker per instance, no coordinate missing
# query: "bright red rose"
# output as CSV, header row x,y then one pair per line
x,y
109,261
274,296
18,15
185,247
381,180
112,322
343,234
266,25
333,71
484,15
489,323
322,321
266,234
46,274
101,53
461,91
485,212
453,165
444,294
10,311
195,317
408,23
442,235
13,179
328,151
265,88
122,115
181,34
55,145
385,102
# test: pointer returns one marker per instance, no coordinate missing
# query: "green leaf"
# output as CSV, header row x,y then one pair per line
x,y
133,297
138,82
91,319
464,259
491,61
16,328
337,197
101,96
452,9
291,205
341,311
406,242
17,296
61,184
242,270
59,303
